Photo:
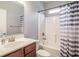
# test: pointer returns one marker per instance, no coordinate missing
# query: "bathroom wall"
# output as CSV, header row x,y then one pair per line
x,y
14,11
31,18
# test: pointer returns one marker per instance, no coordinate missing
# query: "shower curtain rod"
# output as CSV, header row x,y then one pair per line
x,y
56,7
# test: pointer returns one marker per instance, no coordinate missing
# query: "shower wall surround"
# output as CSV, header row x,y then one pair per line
x,y
69,29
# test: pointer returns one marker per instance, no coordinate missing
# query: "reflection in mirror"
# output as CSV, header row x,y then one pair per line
x,y
3,20
11,18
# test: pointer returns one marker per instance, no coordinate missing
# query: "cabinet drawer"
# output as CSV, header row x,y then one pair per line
x,y
30,48
18,53
31,54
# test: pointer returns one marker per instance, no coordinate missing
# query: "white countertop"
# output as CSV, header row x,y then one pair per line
x,y
13,46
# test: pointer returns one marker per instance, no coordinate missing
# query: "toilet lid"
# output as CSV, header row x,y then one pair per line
x,y
43,52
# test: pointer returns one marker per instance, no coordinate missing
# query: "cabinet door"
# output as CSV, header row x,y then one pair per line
x,y
18,53
30,48
31,54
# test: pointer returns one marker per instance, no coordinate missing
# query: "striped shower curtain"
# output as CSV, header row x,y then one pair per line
x,y
69,30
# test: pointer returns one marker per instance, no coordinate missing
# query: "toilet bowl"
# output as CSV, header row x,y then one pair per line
x,y
43,53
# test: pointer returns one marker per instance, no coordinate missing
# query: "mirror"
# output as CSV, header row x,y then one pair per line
x,y
11,17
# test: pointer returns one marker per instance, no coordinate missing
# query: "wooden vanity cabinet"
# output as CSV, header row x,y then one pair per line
x,y
31,54
27,51
30,51
18,53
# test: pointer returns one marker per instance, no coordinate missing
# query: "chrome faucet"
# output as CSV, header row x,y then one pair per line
x,y
2,41
3,36
11,39
44,36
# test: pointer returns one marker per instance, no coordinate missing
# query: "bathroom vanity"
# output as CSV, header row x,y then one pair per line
x,y
27,51
19,49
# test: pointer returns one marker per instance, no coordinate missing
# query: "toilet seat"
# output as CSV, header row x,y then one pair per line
x,y
43,53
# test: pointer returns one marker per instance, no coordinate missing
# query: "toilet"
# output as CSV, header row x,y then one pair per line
x,y
43,53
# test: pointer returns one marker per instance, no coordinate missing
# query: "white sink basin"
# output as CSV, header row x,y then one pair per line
x,y
13,44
